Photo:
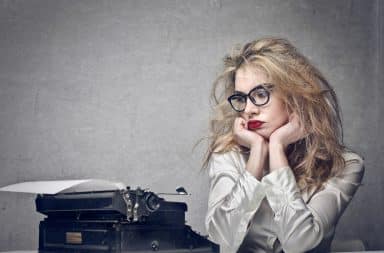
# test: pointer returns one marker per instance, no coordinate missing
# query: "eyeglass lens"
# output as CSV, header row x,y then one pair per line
x,y
259,96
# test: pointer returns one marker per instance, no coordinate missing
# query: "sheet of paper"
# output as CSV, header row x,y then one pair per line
x,y
63,186
95,185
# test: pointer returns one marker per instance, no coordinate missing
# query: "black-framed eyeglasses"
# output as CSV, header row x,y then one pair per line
x,y
259,96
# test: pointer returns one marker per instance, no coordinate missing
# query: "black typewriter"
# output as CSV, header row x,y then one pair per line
x,y
126,220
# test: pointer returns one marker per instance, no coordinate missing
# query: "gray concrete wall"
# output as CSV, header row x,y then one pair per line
x,y
119,90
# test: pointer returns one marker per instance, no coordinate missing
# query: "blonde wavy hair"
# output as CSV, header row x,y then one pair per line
x,y
304,91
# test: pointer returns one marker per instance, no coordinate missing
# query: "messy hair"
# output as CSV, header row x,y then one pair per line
x,y
305,91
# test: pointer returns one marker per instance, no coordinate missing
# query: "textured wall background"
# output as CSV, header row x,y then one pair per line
x,y
119,90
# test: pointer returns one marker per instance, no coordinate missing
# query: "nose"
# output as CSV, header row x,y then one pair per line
x,y
250,108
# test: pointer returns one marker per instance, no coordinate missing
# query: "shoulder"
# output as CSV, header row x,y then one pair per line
x,y
228,156
348,179
228,162
353,162
353,170
350,156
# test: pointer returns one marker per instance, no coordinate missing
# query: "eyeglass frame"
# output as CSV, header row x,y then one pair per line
x,y
267,87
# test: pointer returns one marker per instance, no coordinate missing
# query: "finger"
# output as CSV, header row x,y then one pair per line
x,y
239,124
294,119
236,125
302,132
243,123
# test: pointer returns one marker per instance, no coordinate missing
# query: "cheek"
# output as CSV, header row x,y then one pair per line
x,y
277,123
280,116
285,118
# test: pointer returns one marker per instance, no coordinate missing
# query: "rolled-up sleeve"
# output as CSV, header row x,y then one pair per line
x,y
302,226
234,197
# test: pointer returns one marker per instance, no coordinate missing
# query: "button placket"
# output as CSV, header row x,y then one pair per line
x,y
271,241
276,216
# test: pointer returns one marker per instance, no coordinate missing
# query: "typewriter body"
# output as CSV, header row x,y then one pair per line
x,y
116,221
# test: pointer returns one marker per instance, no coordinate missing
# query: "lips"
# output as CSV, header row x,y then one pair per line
x,y
254,124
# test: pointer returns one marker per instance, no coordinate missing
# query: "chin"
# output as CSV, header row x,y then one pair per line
x,y
264,133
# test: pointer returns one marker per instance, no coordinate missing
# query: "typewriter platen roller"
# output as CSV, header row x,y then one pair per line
x,y
116,221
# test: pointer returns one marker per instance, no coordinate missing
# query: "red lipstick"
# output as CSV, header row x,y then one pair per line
x,y
254,124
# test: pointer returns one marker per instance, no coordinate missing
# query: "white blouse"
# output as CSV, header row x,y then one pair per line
x,y
271,215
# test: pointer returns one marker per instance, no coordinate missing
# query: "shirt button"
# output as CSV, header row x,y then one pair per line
x,y
271,241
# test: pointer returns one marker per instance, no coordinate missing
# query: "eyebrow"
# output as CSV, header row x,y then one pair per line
x,y
239,92
261,85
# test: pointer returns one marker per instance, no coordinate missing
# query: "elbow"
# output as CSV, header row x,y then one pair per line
x,y
295,246
217,233
303,241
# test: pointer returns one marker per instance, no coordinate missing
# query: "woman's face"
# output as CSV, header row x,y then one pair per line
x,y
268,117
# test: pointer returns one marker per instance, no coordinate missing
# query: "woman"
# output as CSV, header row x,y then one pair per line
x,y
280,176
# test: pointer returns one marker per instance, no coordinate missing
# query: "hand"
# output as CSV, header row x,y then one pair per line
x,y
245,137
288,133
257,144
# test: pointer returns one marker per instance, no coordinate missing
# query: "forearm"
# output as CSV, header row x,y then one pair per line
x,y
298,229
302,225
256,161
289,208
231,206
235,196
277,157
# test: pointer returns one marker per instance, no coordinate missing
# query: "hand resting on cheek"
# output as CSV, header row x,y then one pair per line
x,y
288,133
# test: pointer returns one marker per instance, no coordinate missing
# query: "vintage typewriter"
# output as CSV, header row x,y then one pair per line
x,y
124,220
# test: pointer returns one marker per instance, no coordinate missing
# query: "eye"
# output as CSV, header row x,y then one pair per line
x,y
237,102
237,99
260,93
